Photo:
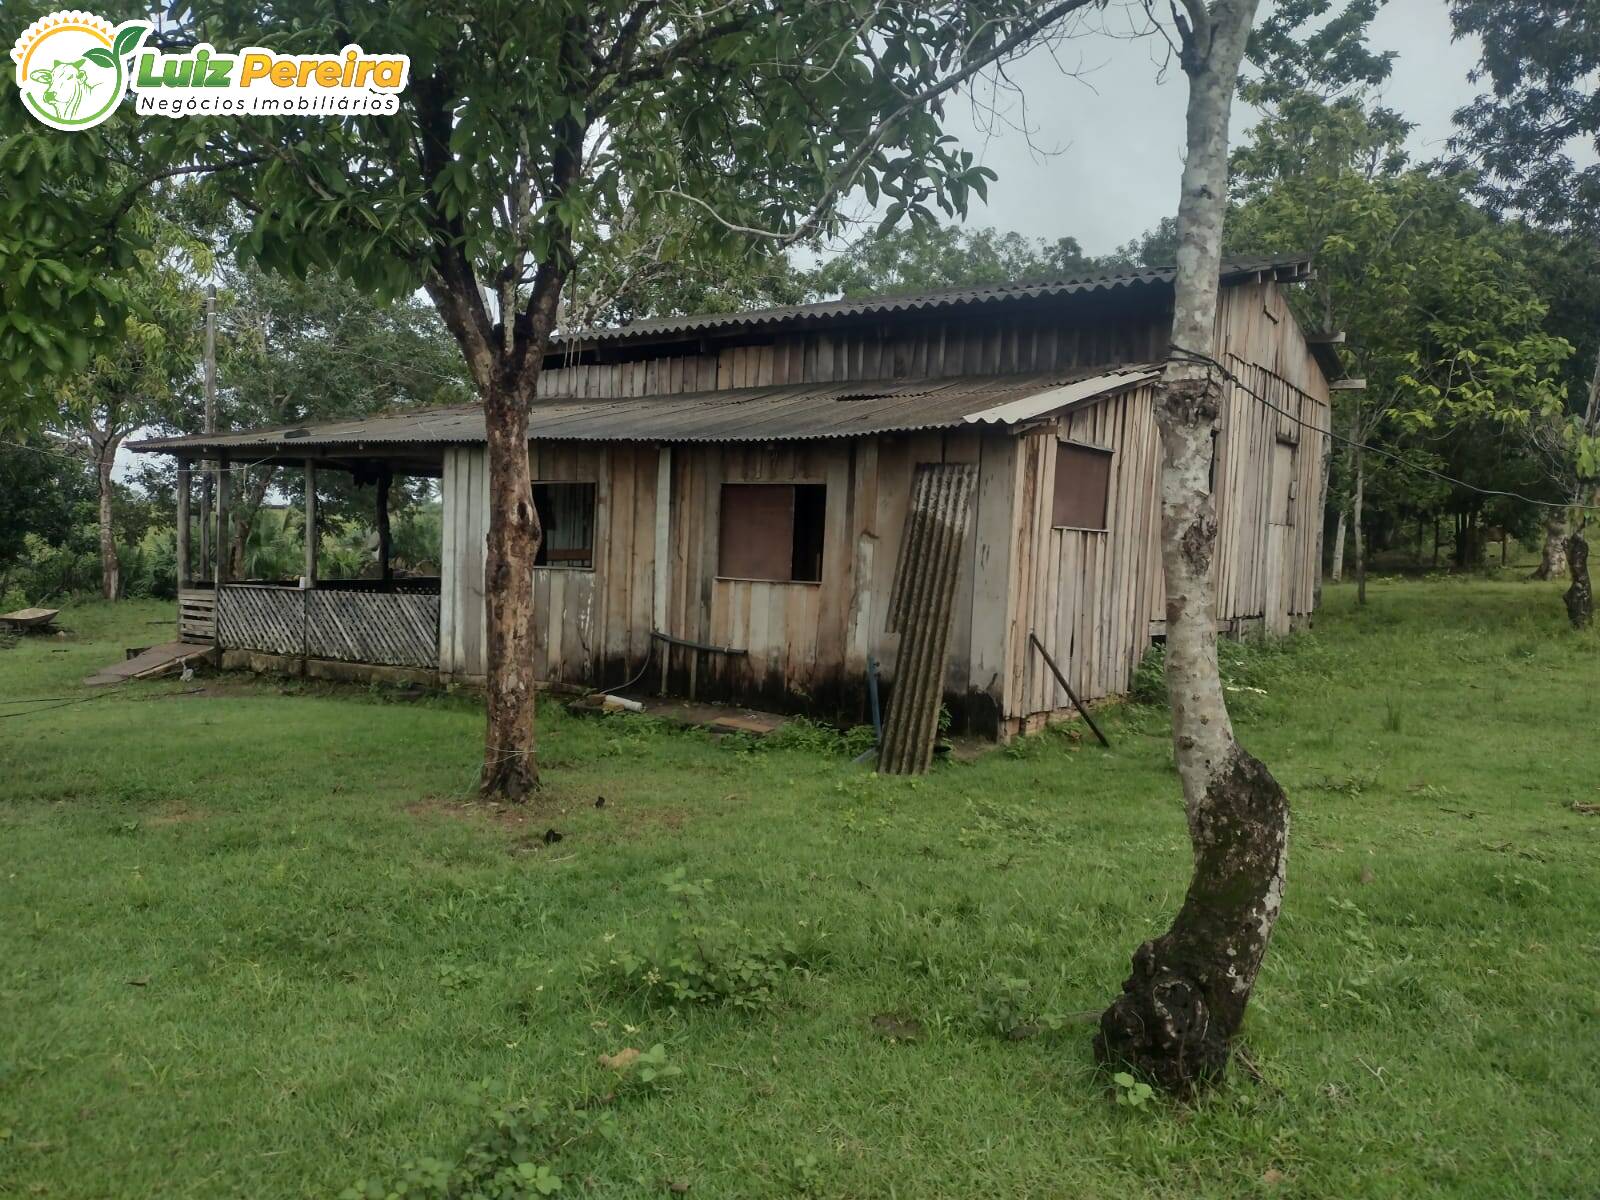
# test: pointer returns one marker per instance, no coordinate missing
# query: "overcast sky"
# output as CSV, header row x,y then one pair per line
x,y
1114,135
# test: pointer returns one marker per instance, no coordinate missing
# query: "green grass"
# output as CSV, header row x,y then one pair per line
x,y
252,943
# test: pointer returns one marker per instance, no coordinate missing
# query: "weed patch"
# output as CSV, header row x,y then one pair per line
x,y
523,1148
709,958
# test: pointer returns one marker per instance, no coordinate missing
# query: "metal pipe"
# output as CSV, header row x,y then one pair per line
x,y
688,645
1066,687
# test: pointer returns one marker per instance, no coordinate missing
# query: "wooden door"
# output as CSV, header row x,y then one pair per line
x,y
1281,505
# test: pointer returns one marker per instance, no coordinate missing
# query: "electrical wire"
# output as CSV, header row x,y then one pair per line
x,y
81,460
68,701
1186,355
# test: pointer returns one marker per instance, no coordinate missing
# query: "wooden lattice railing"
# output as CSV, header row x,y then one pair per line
x,y
388,628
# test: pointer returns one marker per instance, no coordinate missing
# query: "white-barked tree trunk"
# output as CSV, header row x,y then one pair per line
x,y
1184,1001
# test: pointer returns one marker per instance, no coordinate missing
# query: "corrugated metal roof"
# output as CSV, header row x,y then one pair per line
x,y
761,414
1234,270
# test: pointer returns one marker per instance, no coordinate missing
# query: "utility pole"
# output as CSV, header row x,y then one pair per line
x,y
209,475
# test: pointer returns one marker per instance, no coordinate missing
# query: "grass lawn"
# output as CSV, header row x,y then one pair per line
x,y
254,943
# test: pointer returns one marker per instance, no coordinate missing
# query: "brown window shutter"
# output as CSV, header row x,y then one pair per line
x,y
757,532
1083,481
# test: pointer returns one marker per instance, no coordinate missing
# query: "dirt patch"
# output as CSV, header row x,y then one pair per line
x,y
177,815
547,823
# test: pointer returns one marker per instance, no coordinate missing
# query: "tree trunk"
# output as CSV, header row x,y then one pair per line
x,y
510,770
1580,596
1358,502
1553,558
1338,548
1185,1000
244,520
110,568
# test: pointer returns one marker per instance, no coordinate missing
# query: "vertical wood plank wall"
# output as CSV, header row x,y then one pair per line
x,y
464,494
1086,593
969,345
1260,341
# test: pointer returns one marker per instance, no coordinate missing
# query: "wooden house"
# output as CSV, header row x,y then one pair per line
x,y
724,499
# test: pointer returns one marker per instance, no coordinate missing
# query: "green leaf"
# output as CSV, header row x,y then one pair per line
x,y
100,57
128,41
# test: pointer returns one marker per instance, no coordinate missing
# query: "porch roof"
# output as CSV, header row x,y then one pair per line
x,y
789,412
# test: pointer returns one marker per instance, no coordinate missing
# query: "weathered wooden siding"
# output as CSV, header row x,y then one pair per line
x,y
970,345
1096,598
1086,593
464,492
1261,573
593,625
806,644
592,622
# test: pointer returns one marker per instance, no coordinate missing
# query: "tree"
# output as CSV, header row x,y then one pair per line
x,y
63,295
1540,59
137,379
529,133
922,257
42,494
295,351
1443,318
1562,263
1185,999
665,269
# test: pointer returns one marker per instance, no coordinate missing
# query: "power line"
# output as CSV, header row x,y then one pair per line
x,y
1207,360
81,461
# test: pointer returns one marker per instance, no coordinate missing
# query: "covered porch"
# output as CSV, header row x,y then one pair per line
x,y
386,620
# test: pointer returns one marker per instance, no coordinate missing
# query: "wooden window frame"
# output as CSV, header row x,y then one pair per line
x,y
1109,454
594,525
793,485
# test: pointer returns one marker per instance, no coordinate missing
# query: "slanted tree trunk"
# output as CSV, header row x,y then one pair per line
x,y
1338,547
1180,1008
110,567
1579,596
1553,557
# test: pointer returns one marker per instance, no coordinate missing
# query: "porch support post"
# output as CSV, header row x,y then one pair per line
x,y
311,524
208,477
183,523
384,571
224,539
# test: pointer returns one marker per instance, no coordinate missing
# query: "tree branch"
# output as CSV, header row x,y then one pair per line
x,y
845,179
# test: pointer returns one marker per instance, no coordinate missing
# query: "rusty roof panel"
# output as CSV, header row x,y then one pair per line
x,y
791,412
